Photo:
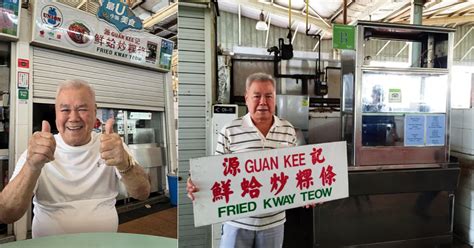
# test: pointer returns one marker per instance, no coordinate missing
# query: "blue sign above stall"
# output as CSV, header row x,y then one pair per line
x,y
119,15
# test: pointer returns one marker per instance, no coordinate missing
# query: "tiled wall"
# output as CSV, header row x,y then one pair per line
x,y
462,141
462,130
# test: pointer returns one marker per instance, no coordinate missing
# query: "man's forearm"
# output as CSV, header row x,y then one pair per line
x,y
16,196
136,182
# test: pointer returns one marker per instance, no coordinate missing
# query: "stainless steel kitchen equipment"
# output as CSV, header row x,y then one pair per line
x,y
395,119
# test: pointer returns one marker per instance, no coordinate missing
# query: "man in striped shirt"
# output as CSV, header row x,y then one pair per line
x,y
260,129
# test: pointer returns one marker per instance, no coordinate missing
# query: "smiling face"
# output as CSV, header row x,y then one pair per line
x,y
260,100
75,115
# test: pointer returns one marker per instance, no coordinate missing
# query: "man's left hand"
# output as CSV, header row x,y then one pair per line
x,y
111,148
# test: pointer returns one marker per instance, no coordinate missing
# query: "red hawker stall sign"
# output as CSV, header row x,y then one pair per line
x,y
239,185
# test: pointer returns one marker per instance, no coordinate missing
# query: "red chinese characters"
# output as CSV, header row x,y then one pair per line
x,y
231,166
316,156
110,43
275,180
132,48
327,176
304,179
121,46
99,39
251,187
221,190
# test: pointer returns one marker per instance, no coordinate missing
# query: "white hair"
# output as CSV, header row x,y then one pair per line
x,y
75,84
259,76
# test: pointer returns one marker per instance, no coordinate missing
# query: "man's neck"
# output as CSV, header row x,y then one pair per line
x,y
263,125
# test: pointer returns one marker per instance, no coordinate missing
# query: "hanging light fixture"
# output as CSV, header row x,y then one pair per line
x,y
261,25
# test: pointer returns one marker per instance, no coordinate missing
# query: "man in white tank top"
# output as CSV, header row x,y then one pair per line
x,y
72,175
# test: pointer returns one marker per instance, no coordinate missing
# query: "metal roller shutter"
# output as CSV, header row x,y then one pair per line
x,y
192,116
116,85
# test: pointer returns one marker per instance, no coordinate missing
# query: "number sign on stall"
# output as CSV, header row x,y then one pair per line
x,y
238,185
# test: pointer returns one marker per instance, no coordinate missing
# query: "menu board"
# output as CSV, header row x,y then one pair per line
x,y
425,130
414,130
435,130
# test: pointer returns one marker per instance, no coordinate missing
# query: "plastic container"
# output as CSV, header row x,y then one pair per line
x,y
173,187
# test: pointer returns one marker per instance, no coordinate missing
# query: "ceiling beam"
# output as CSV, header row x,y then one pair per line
x,y
463,11
161,15
317,15
369,10
445,20
279,10
439,10
395,14
339,11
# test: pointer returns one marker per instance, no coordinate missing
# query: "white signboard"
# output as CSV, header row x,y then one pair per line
x,y
59,25
238,185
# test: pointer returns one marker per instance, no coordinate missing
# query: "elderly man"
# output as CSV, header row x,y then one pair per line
x,y
260,129
73,175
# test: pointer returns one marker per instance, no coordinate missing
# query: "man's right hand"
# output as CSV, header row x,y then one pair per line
x,y
191,188
41,147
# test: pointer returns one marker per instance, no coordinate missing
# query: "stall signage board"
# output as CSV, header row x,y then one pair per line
x,y
9,18
239,185
140,115
119,14
61,26
343,37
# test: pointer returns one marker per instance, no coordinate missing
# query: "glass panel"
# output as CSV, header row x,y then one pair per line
x,y
409,93
145,127
142,127
382,130
392,47
348,92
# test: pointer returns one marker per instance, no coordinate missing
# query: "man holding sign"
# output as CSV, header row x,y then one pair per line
x,y
260,129
73,175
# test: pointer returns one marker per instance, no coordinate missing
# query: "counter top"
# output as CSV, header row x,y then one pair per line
x,y
96,240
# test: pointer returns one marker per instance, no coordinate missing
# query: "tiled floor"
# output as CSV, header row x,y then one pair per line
x,y
163,223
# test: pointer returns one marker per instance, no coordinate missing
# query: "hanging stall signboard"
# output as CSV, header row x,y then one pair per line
x,y
343,37
9,18
59,25
239,185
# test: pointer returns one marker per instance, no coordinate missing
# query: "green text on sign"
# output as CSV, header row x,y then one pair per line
x,y
343,37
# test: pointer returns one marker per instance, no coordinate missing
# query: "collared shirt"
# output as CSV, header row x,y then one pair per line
x,y
241,135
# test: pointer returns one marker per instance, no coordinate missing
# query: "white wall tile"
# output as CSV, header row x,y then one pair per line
x,y
468,141
468,119
457,117
456,138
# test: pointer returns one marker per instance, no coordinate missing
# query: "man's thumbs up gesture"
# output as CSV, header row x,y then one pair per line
x,y
41,147
111,148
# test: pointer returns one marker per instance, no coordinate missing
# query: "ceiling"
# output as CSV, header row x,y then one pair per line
x,y
160,17
323,13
